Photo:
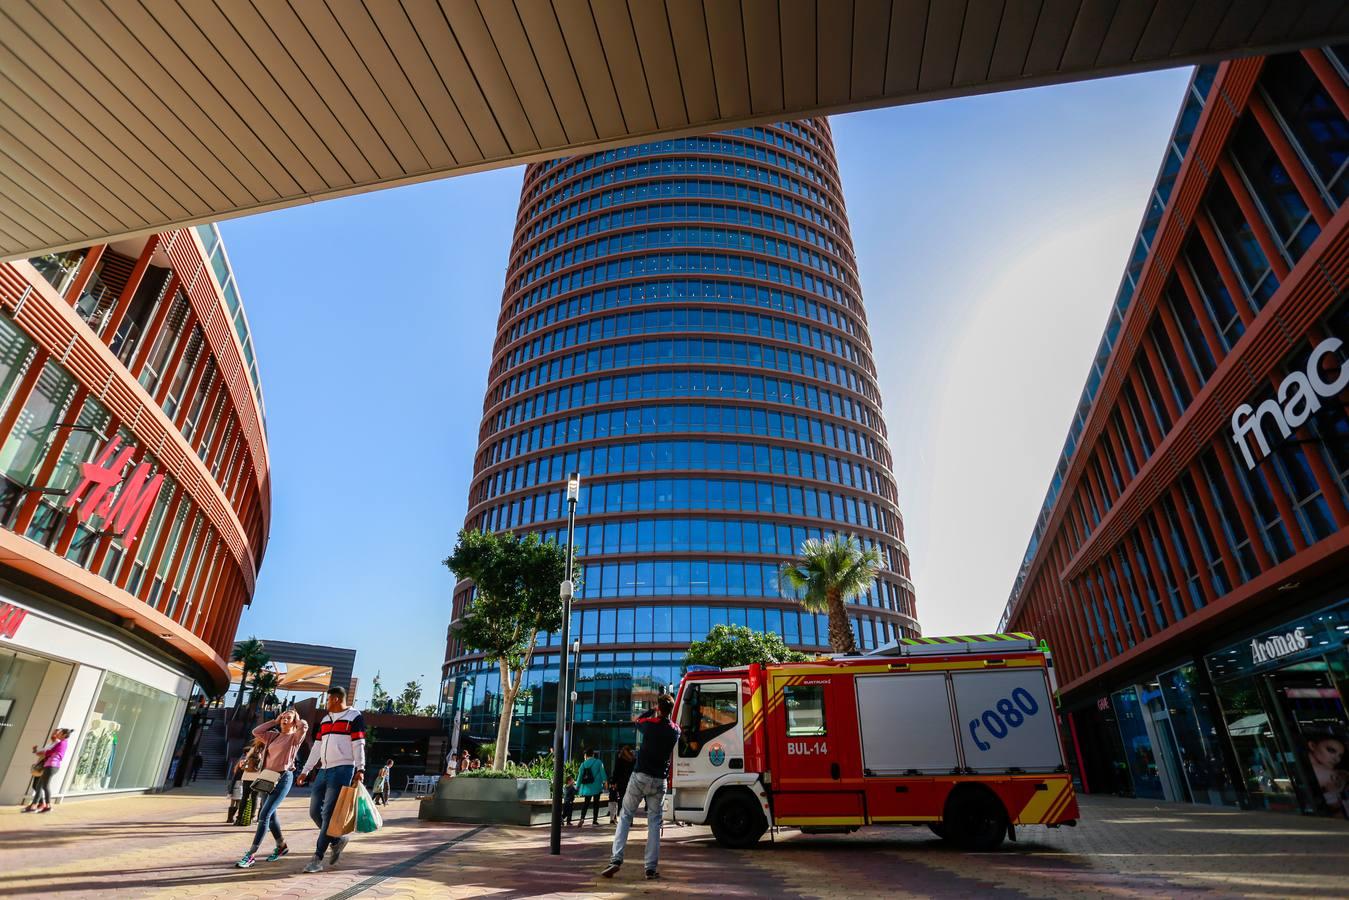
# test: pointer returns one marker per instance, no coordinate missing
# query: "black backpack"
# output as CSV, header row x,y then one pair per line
x,y
587,775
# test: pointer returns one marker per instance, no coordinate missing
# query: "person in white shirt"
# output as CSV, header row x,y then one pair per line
x,y
339,755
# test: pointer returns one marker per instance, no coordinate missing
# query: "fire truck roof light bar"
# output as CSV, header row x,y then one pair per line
x,y
1014,642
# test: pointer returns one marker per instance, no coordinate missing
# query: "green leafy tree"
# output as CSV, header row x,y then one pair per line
x,y
379,698
254,658
406,704
737,645
825,575
516,597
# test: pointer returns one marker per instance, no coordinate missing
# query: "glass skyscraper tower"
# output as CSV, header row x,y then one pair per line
x,y
682,325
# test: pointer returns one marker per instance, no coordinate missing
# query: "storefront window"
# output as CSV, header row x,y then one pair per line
x,y
27,443
1196,735
21,678
122,746
1282,696
1138,750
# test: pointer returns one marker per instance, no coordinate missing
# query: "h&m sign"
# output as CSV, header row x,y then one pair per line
x,y
1277,646
11,617
122,502
1297,400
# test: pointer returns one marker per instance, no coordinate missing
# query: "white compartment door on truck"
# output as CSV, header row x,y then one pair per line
x,y
906,725
1007,720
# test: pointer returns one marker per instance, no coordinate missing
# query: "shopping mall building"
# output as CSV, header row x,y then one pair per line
x,y
682,325
1190,567
134,500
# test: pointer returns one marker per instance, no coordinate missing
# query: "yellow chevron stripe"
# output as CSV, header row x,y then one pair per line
x,y
1037,810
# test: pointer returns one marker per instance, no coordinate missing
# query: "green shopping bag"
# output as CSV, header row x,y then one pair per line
x,y
367,817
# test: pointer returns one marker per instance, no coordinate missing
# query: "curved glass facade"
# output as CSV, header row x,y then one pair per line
x,y
682,326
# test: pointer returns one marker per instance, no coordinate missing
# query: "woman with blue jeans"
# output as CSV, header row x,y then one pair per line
x,y
282,738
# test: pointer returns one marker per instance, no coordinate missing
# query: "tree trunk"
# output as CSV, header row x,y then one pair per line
x,y
508,691
840,632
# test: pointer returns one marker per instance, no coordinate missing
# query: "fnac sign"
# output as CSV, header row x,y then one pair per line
x,y
122,503
1298,399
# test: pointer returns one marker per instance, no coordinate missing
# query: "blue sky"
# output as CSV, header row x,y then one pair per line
x,y
991,233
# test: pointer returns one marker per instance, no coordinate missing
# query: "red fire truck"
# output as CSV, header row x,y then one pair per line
x,y
957,733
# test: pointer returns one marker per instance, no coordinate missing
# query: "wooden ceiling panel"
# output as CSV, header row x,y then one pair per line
x,y
1089,30
726,38
122,118
346,62
554,60
833,51
613,22
297,93
1015,32
908,29
1052,29
688,30
870,44
174,38
145,79
315,68
508,34
655,46
978,35
799,83
587,56
387,74
456,77
763,55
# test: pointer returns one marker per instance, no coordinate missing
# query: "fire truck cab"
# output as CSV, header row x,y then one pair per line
x,y
958,734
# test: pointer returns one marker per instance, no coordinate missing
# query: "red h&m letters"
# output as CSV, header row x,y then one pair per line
x,y
10,618
125,511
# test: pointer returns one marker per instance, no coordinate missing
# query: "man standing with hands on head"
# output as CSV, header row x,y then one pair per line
x,y
659,736
339,755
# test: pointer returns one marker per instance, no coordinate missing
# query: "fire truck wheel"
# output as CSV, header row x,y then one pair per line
x,y
939,830
737,820
975,818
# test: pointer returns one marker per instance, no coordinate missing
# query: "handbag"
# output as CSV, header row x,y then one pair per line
x,y
37,770
266,780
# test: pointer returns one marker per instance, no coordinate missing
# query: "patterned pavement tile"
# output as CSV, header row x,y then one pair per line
x,y
176,845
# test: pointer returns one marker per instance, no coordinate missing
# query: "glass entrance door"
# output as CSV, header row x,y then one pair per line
x,y
1312,711
1138,749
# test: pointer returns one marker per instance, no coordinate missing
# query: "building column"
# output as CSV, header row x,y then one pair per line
x,y
1311,197
86,272
132,285
1154,361
1225,552
1200,310
1273,251
1330,78
1234,490
1191,538
1226,273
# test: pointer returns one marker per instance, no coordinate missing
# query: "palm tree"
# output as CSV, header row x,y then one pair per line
x,y
264,690
253,654
826,574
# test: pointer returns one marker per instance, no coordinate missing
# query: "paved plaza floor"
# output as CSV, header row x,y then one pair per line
x,y
177,845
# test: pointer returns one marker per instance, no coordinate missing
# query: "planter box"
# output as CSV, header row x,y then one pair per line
x,y
490,801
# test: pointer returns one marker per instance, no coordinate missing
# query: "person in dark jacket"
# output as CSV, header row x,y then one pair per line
x,y
659,736
618,780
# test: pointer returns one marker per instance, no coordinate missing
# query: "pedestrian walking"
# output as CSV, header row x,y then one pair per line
x,y
234,789
618,781
251,766
380,789
591,780
659,736
49,758
339,756
197,763
281,738
568,798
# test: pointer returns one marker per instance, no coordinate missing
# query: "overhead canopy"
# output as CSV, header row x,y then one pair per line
x,y
291,676
129,117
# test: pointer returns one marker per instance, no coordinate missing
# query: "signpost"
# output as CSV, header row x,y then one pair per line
x,y
555,837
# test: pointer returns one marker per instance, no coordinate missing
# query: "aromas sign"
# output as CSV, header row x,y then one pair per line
x,y
104,493
1277,646
1297,400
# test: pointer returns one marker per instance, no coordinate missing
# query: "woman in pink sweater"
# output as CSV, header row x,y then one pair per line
x,y
49,758
282,737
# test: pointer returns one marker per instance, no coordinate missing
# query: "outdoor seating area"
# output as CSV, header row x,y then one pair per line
x,y
420,785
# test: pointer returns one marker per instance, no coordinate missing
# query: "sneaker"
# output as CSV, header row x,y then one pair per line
x,y
338,846
612,870
315,865
278,853
652,875
246,861
32,807
46,807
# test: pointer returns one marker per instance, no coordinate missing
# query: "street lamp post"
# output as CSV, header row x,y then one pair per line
x,y
575,669
555,838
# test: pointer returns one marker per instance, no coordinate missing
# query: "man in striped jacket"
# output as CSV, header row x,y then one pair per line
x,y
339,754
